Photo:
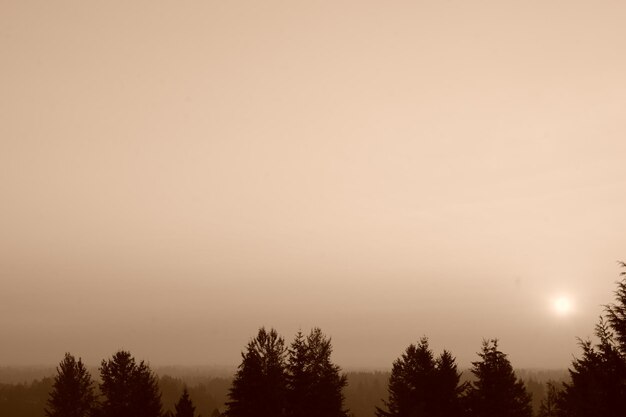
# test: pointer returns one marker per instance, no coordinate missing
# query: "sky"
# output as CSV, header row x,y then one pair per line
x,y
174,175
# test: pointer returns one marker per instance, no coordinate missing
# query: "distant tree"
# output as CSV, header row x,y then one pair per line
x,y
314,384
216,413
72,394
259,387
184,407
496,392
421,385
25,399
129,390
549,406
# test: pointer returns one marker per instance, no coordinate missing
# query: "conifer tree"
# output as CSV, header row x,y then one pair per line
x,y
550,404
72,394
497,392
421,385
184,407
315,384
129,389
448,387
616,312
598,379
597,384
259,387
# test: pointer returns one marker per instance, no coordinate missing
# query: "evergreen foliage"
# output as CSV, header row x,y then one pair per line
x,y
419,385
496,392
616,313
448,389
598,379
315,384
129,389
184,407
260,384
72,394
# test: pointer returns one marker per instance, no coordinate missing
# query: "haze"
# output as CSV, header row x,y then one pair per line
x,y
174,175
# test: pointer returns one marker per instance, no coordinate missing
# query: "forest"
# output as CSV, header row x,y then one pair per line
x,y
299,379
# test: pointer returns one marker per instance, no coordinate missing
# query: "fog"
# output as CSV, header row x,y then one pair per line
x,y
174,175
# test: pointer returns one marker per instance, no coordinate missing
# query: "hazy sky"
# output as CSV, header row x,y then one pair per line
x,y
174,175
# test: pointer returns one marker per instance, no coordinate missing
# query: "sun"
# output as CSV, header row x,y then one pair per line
x,y
562,305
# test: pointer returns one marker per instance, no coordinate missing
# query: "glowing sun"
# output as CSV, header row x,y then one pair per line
x,y
562,305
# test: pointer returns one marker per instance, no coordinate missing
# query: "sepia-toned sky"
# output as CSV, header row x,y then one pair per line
x,y
174,175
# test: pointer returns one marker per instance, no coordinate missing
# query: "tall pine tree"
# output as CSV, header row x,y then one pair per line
x,y
497,392
315,384
597,384
129,389
72,394
448,389
616,313
260,385
421,385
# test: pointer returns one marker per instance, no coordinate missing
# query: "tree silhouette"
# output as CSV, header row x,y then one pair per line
x,y
259,387
129,390
419,385
72,394
315,384
184,407
496,392
447,386
550,404
616,312
598,378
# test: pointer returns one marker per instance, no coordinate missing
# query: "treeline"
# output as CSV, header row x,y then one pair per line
x,y
300,380
364,392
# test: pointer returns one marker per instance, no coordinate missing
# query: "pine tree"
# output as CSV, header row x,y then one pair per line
x,y
259,387
129,389
598,378
421,385
550,404
616,312
497,392
597,386
448,389
315,384
72,394
299,380
184,407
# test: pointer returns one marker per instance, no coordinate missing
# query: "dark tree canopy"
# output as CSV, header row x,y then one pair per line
x,y
616,312
421,385
129,389
497,392
315,384
598,378
72,394
260,384
184,407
